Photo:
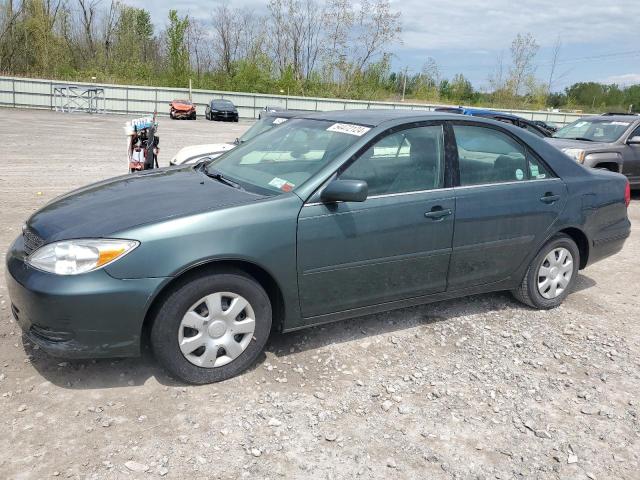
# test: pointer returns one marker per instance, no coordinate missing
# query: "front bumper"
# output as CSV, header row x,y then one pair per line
x,y
224,115
184,113
90,315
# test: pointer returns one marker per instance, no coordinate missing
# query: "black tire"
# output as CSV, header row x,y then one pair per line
x,y
528,292
164,331
172,116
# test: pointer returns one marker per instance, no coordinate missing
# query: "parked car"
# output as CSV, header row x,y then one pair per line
x,y
271,109
195,153
182,109
551,127
528,125
327,217
221,109
608,141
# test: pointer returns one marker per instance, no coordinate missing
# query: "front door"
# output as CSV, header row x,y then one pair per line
x,y
394,245
506,201
631,165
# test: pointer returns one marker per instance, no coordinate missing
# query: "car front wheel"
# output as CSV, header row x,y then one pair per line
x,y
212,327
551,274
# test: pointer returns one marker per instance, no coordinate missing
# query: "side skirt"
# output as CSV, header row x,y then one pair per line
x,y
397,304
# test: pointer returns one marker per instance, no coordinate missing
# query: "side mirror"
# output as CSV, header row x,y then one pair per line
x,y
345,191
634,140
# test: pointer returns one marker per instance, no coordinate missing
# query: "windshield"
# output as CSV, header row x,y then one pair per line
x,y
221,104
185,102
595,130
283,158
266,123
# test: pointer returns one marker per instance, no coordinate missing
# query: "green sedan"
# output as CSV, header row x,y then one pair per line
x,y
330,216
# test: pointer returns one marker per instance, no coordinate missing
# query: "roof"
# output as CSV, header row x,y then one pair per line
x,y
375,117
284,113
627,118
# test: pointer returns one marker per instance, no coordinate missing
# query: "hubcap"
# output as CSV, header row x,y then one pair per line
x,y
216,329
555,273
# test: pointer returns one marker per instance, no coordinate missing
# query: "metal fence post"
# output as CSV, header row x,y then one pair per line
x,y
126,105
13,90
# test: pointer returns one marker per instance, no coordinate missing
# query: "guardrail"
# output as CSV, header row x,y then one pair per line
x,y
138,100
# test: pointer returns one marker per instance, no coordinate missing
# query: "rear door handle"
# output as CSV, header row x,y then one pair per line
x,y
549,198
438,213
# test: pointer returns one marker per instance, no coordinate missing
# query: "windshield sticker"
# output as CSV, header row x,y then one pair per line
x,y
279,120
357,130
282,184
619,123
519,174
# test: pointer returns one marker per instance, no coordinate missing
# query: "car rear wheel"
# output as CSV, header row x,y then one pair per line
x,y
212,328
551,275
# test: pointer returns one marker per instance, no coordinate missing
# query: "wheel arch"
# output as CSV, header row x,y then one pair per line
x,y
581,240
256,272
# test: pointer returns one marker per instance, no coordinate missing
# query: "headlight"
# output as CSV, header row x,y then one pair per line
x,y
576,153
72,257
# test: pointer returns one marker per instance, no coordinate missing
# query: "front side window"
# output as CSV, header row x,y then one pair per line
x,y
486,155
280,159
406,161
594,130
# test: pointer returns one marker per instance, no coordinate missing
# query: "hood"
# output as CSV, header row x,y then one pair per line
x,y
105,208
194,152
568,143
182,106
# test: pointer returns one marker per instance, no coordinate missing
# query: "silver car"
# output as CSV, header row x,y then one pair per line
x,y
608,141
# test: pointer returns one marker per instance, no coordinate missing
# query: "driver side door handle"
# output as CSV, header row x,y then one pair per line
x,y
438,213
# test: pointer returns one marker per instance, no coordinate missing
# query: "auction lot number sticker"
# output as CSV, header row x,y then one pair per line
x,y
348,128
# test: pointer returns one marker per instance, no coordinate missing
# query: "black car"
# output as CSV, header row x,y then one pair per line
x,y
221,109
528,125
552,127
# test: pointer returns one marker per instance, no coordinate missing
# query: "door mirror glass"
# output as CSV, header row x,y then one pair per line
x,y
634,140
345,191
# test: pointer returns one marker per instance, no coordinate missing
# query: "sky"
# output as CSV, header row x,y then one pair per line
x,y
600,39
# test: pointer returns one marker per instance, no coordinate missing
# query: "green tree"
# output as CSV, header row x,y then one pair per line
x,y
177,49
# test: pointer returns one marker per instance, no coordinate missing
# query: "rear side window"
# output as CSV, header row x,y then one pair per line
x,y
486,155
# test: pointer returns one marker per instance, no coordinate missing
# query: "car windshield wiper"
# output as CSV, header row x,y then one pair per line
x,y
216,175
583,139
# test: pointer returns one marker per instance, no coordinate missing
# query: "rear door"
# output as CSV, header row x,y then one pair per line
x,y
506,201
396,244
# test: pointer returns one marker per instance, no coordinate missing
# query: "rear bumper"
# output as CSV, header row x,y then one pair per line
x,y
610,241
80,316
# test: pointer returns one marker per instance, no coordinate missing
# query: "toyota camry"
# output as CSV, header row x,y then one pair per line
x,y
330,216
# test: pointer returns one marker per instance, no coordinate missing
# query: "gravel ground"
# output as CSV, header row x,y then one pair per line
x,y
480,387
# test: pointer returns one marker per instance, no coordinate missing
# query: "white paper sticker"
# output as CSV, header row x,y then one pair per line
x,y
519,174
277,182
348,128
281,184
279,120
619,123
534,171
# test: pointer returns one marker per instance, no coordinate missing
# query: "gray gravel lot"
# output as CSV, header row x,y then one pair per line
x,y
476,388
